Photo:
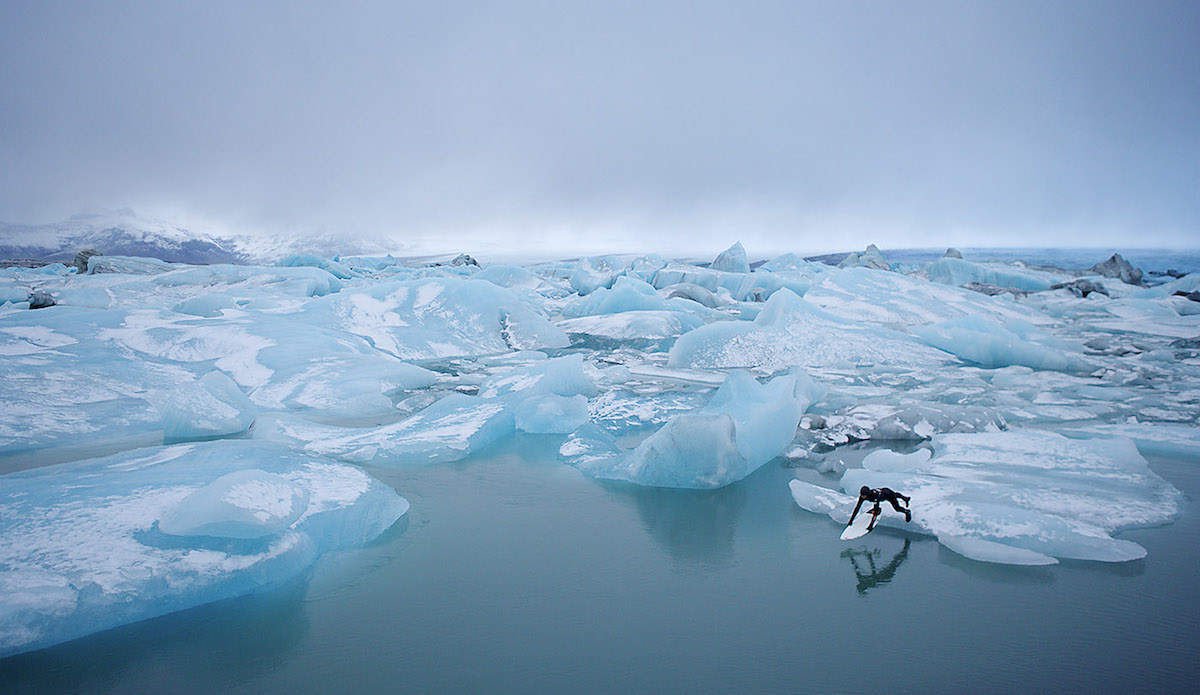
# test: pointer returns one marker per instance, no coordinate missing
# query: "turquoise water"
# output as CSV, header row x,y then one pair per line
x,y
514,573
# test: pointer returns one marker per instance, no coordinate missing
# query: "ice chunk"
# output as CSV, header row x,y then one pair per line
x,y
990,344
590,274
515,278
299,260
790,262
303,281
13,294
624,411
1040,493
822,500
991,551
80,550
244,504
626,294
438,318
207,305
696,293
732,260
956,271
552,414
128,265
898,301
791,331
451,428
561,376
745,425
870,258
633,326
646,267
213,407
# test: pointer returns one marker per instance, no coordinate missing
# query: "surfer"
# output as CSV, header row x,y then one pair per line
x,y
883,494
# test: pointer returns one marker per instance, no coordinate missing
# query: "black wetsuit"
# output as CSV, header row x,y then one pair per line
x,y
883,494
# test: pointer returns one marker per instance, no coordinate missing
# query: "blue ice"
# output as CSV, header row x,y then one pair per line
x,y
90,545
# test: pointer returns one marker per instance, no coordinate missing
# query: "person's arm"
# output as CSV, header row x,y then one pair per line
x,y
856,508
874,517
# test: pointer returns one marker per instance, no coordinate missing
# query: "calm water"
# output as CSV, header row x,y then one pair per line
x,y
513,573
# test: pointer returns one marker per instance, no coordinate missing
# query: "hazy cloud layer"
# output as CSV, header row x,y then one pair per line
x,y
787,125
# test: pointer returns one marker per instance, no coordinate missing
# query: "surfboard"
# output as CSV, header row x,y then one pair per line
x,y
859,527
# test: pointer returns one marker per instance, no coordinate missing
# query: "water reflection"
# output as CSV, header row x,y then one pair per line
x,y
869,572
693,525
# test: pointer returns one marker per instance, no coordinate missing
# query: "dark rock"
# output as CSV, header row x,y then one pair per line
x,y
952,253
1119,268
81,259
1194,295
39,299
464,259
1081,288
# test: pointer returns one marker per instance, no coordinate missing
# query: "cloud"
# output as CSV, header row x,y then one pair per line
x,y
667,124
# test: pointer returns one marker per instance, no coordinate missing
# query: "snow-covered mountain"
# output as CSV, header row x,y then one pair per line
x,y
125,233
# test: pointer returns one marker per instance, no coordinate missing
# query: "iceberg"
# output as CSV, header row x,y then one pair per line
x,y
870,258
987,343
956,271
633,326
1024,497
732,260
551,414
451,428
437,318
791,331
746,424
94,544
300,260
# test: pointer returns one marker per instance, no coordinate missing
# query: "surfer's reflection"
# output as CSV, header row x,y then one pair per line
x,y
872,575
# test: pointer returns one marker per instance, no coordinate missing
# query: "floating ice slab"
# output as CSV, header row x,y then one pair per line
x,y
87,546
633,326
300,260
438,318
244,504
746,424
956,271
70,391
552,414
453,427
128,265
793,332
898,301
990,344
732,260
1015,497
626,294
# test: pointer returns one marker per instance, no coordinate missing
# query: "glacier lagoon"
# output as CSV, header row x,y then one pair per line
x,y
532,417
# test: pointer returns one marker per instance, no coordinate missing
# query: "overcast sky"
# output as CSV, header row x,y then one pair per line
x,y
648,125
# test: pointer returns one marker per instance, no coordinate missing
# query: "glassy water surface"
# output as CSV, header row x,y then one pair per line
x,y
514,573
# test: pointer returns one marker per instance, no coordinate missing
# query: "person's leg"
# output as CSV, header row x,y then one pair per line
x,y
896,505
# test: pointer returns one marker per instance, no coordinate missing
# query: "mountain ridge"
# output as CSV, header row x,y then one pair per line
x,y
124,233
